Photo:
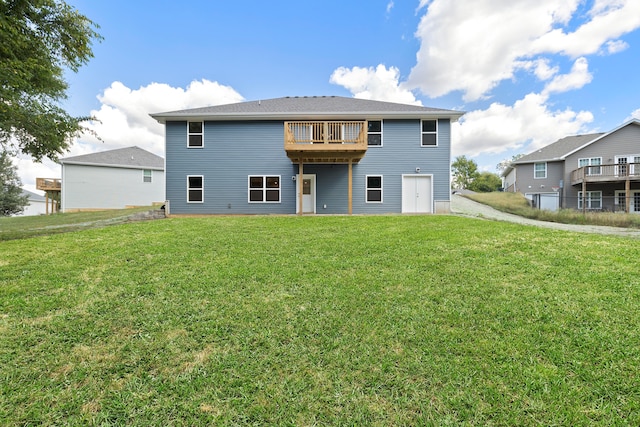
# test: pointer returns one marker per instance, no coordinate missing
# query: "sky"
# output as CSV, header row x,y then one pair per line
x,y
526,72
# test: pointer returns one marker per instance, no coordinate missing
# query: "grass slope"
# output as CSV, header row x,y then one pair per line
x,y
387,320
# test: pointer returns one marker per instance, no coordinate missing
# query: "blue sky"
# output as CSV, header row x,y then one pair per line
x,y
528,72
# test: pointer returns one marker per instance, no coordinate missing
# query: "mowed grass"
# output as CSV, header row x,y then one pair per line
x,y
364,320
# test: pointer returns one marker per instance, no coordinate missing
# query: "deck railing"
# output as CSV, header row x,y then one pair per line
x,y
49,184
325,133
606,173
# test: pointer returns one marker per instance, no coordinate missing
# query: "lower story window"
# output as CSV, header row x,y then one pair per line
x,y
195,189
146,175
374,189
593,200
264,189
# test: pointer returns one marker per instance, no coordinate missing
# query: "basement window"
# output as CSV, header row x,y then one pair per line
x,y
195,189
374,189
264,189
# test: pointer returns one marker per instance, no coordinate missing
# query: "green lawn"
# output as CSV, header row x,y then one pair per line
x,y
364,320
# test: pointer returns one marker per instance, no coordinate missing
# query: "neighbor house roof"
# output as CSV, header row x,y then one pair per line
x,y
130,157
33,197
307,108
559,149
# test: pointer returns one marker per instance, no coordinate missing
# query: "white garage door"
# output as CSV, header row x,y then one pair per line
x,y
417,193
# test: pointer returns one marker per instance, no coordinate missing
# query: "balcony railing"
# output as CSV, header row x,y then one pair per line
x,y
49,184
332,141
606,173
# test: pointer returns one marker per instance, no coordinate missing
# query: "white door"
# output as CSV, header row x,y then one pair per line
x,y
308,194
417,194
549,201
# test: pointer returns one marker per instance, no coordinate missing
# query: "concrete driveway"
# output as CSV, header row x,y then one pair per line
x,y
466,207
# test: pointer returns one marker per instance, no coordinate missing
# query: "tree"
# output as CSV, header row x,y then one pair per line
x,y
486,182
11,199
39,41
500,167
464,172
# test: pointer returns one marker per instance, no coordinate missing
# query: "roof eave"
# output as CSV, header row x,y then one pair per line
x,y
108,165
359,115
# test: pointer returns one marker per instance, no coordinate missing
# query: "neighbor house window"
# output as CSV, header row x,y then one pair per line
x,y
195,189
195,136
429,133
593,200
540,170
374,133
146,175
374,189
592,165
264,189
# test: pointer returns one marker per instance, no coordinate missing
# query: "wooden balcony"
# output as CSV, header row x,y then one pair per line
x,y
49,184
325,142
606,173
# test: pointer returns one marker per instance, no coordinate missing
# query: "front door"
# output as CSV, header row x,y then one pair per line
x,y
308,194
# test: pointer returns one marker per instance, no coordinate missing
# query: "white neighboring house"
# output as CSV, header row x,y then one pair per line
x,y
37,204
113,179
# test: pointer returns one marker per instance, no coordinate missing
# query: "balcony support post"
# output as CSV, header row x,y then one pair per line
x,y
300,186
584,195
350,186
627,195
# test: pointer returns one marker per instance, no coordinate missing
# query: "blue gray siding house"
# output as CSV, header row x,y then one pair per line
x,y
355,156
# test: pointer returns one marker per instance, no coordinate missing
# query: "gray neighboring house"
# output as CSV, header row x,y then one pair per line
x,y
595,172
316,154
113,179
37,204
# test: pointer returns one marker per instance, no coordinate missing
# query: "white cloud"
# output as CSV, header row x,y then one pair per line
x,y
634,115
615,46
123,118
526,125
471,46
390,6
378,83
577,78
124,121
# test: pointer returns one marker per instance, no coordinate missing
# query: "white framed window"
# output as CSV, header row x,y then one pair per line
x,y
540,170
146,175
195,134
628,165
264,188
429,136
592,165
195,189
374,133
373,189
593,200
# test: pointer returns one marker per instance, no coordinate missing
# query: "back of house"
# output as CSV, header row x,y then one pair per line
x,y
325,155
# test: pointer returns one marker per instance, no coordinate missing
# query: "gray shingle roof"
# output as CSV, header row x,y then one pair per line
x,y
559,149
130,157
308,106
33,197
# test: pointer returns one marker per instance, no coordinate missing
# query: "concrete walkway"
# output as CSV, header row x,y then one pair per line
x,y
466,207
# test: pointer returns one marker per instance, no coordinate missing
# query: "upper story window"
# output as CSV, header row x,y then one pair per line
x,y
195,135
264,189
146,175
374,133
429,133
593,163
540,170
